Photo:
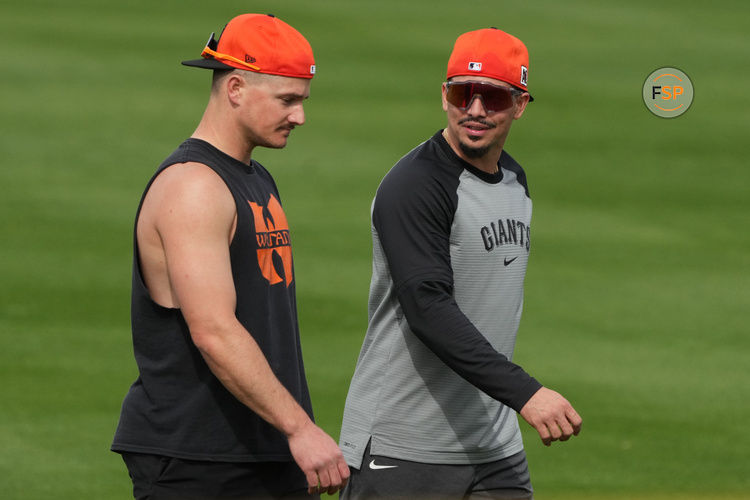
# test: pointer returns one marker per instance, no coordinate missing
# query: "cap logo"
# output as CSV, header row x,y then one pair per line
x,y
312,69
475,66
524,75
249,59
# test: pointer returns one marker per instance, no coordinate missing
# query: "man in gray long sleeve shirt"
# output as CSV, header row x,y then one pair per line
x,y
431,410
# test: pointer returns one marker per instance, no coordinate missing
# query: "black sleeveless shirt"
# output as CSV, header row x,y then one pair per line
x,y
177,407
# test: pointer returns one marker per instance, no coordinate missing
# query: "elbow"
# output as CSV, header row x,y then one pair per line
x,y
208,335
201,337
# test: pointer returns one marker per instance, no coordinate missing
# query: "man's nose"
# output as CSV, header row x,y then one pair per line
x,y
476,107
298,116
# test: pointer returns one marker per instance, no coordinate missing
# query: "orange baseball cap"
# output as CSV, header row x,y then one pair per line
x,y
492,53
261,43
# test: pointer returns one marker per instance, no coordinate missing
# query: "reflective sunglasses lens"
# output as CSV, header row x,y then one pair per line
x,y
456,94
493,97
496,99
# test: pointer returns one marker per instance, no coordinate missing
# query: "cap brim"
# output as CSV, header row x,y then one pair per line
x,y
207,64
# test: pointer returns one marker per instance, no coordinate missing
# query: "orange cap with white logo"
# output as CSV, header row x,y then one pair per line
x,y
492,53
261,43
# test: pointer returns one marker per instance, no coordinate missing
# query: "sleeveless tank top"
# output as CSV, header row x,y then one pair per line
x,y
177,407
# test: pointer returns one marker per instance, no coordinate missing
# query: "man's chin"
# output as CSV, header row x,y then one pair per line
x,y
472,151
278,143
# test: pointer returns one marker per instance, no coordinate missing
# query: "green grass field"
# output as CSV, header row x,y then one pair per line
x,y
638,286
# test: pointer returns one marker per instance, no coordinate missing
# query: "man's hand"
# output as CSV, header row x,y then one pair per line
x,y
320,458
552,416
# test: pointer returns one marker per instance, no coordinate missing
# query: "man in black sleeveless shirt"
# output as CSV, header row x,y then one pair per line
x,y
221,407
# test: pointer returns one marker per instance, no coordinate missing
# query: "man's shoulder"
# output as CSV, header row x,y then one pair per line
x,y
423,181
423,166
189,173
189,188
185,152
507,162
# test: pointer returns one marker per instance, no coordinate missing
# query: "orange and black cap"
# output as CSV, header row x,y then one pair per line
x,y
492,53
261,43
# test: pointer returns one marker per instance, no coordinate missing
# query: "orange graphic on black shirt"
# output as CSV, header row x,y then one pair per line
x,y
272,235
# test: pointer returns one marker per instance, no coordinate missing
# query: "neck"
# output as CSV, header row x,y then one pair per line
x,y
217,129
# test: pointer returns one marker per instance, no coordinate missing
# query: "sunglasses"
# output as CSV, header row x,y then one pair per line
x,y
493,97
210,52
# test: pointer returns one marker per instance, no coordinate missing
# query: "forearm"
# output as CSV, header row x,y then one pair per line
x,y
235,358
238,362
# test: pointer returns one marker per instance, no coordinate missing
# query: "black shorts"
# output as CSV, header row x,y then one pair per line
x,y
158,477
384,477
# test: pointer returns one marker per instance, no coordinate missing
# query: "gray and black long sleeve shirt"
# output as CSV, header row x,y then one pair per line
x,y
434,382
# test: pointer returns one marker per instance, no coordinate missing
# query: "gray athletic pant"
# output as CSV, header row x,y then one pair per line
x,y
385,478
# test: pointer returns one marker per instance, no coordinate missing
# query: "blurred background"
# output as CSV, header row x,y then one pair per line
x,y
637,293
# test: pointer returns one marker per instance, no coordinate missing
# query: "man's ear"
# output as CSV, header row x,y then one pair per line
x,y
521,102
235,85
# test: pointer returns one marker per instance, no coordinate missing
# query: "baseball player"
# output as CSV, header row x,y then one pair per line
x,y
221,407
431,410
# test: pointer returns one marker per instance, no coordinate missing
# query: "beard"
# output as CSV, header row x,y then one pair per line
x,y
472,151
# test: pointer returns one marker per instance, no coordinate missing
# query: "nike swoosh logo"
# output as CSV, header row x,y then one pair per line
x,y
508,261
374,466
